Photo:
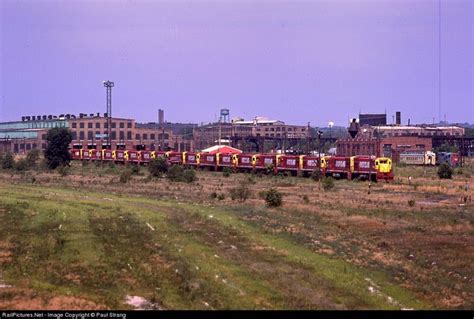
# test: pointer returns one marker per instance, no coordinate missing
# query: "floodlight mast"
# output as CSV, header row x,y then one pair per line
x,y
109,85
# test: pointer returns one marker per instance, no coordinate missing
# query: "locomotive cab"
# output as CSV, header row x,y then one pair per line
x,y
383,165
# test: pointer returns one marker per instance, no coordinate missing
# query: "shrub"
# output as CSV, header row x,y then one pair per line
x,y
32,157
85,163
411,202
226,171
189,176
63,170
445,171
125,176
111,165
316,175
8,161
21,165
178,173
135,169
241,192
213,195
269,169
221,197
273,197
327,183
158,167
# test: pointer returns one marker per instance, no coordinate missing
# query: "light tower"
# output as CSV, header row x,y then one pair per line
x,y
109,85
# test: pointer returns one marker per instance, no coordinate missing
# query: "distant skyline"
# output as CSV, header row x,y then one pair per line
x,y
298,61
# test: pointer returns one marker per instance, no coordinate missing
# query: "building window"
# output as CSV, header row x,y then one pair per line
x,y
106,125
129,124
114,125
43,137
74,125
152,136
122,134
81,125
89,125
81,135
74,135
90,135
113,135
129,135
137,136
97,125
145,136
122,125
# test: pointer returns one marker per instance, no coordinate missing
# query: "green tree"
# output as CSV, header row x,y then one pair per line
x,y
57,153
273,197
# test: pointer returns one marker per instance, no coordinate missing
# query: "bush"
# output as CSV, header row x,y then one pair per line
x,y
221,197
178,173
316,175
158,167
21,165
241,192
63,170
411,202
8,161
32,157
125,176
327,183
269,169
135,169
226,171
305,199
189,176
445,171
213,195
273,197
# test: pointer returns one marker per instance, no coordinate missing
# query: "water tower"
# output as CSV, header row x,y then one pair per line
x,y
224,116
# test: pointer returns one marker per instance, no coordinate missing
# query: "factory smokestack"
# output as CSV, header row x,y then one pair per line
x,y
398,118
161,116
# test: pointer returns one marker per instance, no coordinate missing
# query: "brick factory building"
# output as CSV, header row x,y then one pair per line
x,y
209,134
89,132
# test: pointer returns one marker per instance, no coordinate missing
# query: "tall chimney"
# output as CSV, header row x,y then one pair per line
x,y
398,118
161,116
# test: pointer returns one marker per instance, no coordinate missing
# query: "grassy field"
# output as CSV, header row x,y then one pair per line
x,y
87,241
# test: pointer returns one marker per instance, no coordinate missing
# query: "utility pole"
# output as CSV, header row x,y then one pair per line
x,y
109,85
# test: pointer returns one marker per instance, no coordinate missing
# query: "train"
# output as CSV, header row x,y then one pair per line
x,y
418,158
354,167
452,159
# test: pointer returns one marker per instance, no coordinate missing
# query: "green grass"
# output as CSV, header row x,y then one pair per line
x,y
101,247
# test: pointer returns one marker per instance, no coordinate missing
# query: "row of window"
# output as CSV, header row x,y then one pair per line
x,y
113,135
98,125
273,129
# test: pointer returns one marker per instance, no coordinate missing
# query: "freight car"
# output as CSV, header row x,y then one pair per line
x,y
362,167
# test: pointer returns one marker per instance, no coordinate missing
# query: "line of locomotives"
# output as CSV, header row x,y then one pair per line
x,y
355,167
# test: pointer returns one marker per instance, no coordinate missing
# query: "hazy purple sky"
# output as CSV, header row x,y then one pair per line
x,y
303,61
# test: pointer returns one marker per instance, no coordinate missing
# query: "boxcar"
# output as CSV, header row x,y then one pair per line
x,y
107,155
95,155
263,161
245,162
308,163
120,155
363,167
86,155
174,157
287,163
134,157
208,160
338,166
146,156
191,159
225,160
76,154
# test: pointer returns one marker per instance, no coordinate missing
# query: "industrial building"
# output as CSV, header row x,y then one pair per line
x,y
89,131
